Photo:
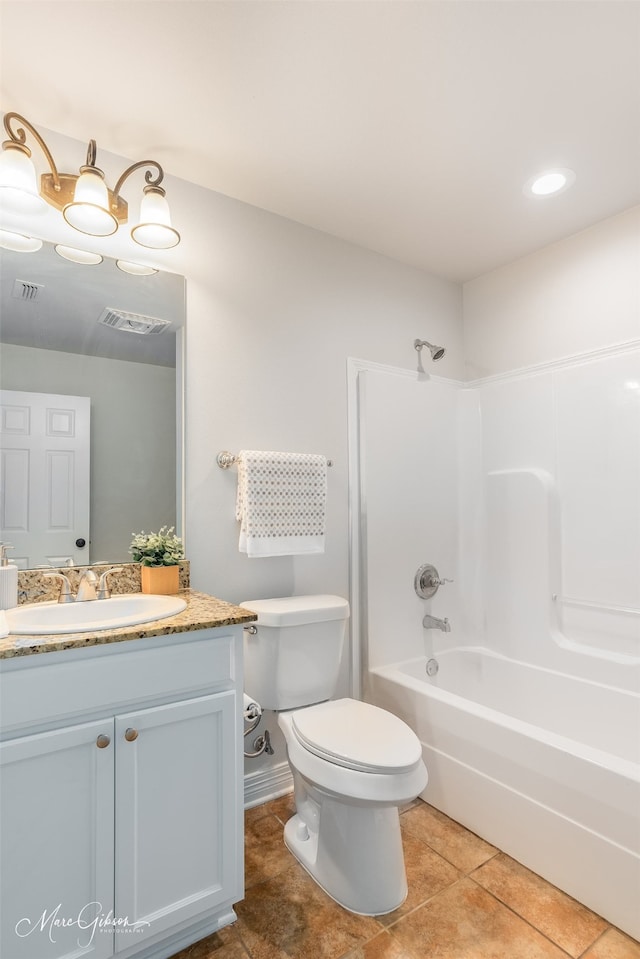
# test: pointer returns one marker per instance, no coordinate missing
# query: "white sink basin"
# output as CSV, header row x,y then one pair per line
x,y
129,609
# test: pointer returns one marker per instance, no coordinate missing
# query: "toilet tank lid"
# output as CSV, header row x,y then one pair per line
x,y
298,610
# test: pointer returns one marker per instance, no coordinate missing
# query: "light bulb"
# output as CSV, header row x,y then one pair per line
x,y
136,269
84,257
154,229
18,242
89,212
18,182
550,182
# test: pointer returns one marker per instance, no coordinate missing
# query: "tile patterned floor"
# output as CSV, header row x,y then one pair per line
x,y
467,900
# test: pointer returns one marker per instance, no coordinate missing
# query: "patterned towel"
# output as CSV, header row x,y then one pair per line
x,y
281,503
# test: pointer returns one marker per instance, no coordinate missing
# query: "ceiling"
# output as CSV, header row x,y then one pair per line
x,y
408,127
50,303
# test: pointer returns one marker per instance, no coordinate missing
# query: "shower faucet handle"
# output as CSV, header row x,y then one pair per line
x,y
427,580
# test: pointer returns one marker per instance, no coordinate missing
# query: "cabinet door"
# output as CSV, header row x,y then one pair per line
x,y
56,843
176,813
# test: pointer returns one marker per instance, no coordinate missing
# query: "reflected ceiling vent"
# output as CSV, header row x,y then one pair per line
x,y
132,322
23,290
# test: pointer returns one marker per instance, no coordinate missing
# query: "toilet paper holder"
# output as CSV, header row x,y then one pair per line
x,y
252,714
250,710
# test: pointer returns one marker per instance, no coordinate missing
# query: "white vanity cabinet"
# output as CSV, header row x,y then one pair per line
x,y
120,797
56,841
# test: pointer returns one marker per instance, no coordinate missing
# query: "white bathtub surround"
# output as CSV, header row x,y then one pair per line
x,y
564,807
523,489
561,470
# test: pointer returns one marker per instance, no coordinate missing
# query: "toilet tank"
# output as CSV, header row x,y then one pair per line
x,y
293,657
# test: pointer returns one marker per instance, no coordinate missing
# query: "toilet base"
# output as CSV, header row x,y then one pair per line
x,y
353,852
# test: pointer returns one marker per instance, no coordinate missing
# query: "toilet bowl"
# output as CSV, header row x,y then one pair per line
x,y
353,764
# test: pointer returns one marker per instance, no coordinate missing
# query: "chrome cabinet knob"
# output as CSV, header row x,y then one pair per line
x,y
102,741
131,734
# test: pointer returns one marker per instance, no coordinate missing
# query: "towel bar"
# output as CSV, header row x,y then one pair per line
x,y
225,459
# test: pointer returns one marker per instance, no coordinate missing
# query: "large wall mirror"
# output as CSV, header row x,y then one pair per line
x,y
91,374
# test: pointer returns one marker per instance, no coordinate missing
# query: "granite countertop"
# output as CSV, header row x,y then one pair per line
x,y
202,612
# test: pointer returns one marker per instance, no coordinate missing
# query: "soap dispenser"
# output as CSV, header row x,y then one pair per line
x,y
8,579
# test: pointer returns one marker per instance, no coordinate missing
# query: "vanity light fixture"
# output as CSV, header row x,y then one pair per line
x,y
18,242
84,257
84,199
550,183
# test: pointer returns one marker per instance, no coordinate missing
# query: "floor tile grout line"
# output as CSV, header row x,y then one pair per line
x,y
450,861
424,902
551,886
530,924
243,943
497,899
388,928
469,875
601,936
409,951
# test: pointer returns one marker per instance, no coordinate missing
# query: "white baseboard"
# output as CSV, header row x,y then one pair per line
x,y
266,784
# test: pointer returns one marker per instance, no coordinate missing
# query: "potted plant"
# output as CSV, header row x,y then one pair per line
x,y
159,555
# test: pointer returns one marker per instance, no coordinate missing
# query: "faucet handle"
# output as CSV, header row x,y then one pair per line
x,y
427,580
65,589
104,591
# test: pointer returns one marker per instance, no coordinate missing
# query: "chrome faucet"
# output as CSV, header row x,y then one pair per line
x,y
432,622
87,587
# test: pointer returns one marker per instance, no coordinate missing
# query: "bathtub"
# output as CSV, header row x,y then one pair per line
x,y
541,764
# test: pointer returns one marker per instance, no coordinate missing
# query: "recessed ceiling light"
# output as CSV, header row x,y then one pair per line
x,y
135,269
550,182
78,256
18,242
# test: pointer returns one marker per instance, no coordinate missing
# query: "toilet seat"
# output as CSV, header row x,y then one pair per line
x,y
358,736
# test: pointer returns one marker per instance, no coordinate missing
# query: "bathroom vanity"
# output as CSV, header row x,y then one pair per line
x,y
122,786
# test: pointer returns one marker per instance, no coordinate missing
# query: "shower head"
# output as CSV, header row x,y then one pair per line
x,y
437,352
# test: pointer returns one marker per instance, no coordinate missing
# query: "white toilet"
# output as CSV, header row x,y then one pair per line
x,y
353,764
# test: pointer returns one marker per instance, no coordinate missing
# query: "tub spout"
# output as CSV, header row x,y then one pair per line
x,y
432,622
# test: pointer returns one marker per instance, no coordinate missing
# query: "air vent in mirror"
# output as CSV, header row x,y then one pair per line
x,y
23,290
132,322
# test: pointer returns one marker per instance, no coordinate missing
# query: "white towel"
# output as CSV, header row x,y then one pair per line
x,y
281,503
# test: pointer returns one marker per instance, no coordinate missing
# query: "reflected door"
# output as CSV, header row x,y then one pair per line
x,y
44,479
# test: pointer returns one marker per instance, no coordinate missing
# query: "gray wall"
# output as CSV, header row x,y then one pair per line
x,y
574,296
133,430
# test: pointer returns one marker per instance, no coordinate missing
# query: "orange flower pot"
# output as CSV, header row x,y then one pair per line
x,y
162,580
